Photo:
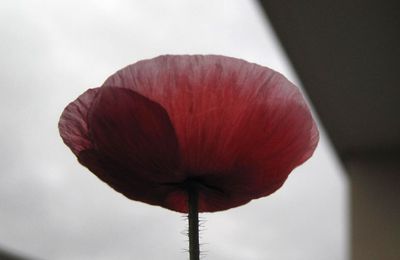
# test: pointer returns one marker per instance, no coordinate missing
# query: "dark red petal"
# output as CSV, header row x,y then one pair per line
x,y
73,122
242,128
136,133
123,180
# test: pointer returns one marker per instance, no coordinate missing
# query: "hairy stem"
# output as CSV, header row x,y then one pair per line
x,y
193,201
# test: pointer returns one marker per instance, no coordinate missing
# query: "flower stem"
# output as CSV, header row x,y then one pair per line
x,y
193,201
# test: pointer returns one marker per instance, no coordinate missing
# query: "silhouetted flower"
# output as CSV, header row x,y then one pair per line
x,y
233,129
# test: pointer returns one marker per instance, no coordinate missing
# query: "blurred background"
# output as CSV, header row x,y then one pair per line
x,y
53,208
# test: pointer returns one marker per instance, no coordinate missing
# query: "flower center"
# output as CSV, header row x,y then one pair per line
x,y
195,183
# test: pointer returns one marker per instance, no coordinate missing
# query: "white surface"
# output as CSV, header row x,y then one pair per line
x,y
53,208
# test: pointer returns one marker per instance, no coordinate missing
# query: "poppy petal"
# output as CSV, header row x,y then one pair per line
x,y
135,132
121,179
242,128
73,125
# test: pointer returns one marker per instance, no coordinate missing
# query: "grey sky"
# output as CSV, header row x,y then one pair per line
x,y
53,208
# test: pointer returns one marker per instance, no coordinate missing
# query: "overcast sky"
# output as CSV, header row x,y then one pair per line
x,y
52,208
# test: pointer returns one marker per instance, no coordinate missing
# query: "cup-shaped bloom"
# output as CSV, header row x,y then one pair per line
x,y
232,129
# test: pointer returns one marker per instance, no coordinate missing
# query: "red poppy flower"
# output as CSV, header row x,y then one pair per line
x,y
233,129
